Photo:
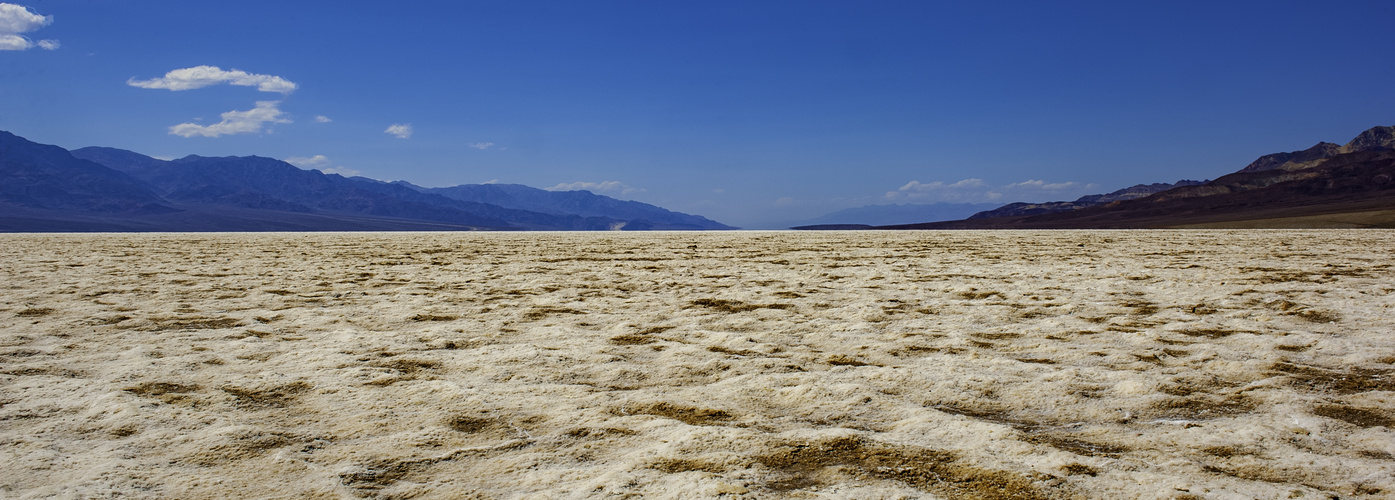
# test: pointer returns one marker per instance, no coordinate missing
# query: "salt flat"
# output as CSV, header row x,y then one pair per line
x,y
1046,364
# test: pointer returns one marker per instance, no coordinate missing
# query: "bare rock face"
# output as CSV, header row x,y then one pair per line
x,y
1373,139
1294,160
1129,193
1137,191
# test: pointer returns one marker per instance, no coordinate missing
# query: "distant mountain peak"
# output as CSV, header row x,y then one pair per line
x,y
1136,191
1373,139
1294,160
48,188
46,177
1133,192
1325,186
583,203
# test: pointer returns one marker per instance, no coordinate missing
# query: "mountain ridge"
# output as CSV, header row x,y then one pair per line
x,y
49,188
579,202
1308,188
42,176
1129,193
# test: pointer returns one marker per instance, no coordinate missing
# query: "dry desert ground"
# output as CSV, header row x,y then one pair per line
x,y
1036,364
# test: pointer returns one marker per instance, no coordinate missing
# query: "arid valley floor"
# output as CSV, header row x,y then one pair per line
x,y
1043,364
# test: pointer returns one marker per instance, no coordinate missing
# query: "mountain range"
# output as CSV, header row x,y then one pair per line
x,y
1325,186
48,188
1129,193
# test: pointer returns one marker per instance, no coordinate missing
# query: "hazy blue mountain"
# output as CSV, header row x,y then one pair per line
x,y
583,203
267,183
270,184
47,188
42,177
132,163
881,215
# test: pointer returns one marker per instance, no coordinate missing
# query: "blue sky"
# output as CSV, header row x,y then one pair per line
x,y
750,113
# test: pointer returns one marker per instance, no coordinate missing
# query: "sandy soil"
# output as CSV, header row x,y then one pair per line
x,y
1049,364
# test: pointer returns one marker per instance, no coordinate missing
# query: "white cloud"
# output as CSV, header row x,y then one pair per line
x,y
322,119
1036,184
16,19
235,122
596,187
401,130
481,145
921,187
783,201
13,42
203,76
308,161
321,163
976,190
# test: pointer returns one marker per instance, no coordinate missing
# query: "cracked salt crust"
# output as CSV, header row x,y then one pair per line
x,y
1047,364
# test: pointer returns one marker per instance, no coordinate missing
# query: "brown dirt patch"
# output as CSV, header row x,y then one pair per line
x,y
1318,379
687,414
34,312
799,464
736,306
274,397
1360,417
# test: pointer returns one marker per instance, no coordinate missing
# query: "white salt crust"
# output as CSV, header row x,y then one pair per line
x,y
1043,364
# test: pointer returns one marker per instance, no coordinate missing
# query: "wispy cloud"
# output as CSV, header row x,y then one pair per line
x,y
936,186
308,161
613,187
322,119
204,76
321,163
235,122
481,145
17,19
1049,186
401,130
976,191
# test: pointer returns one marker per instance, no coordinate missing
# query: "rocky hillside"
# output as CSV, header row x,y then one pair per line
x,y
1322,186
